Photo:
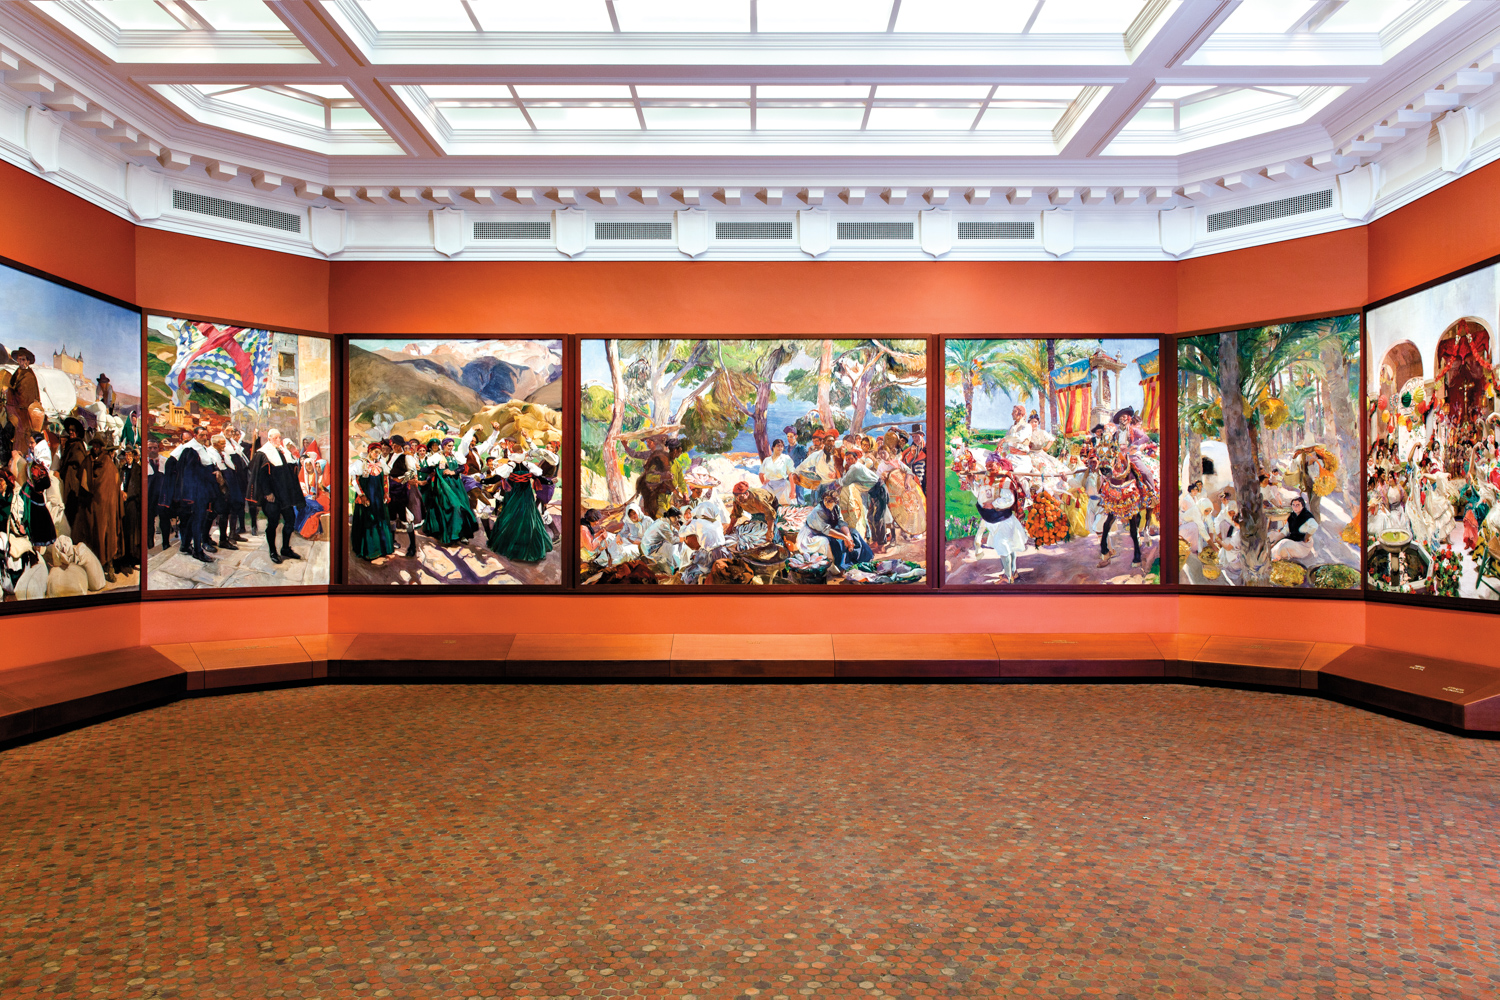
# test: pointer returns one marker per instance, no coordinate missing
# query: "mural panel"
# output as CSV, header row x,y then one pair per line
x,y
1269,488
1434,441
454,467
754,462
1052,472
239,486
70,487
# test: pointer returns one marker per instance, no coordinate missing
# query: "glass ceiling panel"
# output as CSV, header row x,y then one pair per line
x,y
923,119
935,93
489,118
694,93
683,15
573,92
1105,17
280,105
462,91
1011,118
136,15
1266,17
983,16
780,119
816,93
1365,15
737,119
429,15
822,15
236,15
554,15
585,119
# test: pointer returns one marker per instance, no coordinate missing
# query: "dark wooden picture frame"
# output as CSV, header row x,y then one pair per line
x,y
335,400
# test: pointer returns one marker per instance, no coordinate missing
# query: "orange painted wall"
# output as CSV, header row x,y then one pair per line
x,y
1318,274
1453,227
176,273
46,228
687,297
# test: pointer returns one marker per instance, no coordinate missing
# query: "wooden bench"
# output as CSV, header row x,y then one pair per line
x,y
49,696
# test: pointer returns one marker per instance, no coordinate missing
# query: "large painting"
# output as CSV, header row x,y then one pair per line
x,y
1269,482
70,488
754,462
1434,441
239,483
454,462
1052,473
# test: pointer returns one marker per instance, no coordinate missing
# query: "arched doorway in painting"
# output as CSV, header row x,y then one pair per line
x,y
1462,373
1400,364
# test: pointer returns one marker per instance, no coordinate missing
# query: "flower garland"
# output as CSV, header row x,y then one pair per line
x,y
1445,572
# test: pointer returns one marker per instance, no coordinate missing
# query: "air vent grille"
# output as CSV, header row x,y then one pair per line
x,y
1317,201
753,230
632,230
997,230
877,230
187,201
512,230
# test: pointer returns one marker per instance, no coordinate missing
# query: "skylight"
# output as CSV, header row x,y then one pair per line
x,y
325,118
1181,119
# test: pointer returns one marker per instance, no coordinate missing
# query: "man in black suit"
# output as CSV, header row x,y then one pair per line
x,y
273,484
406,497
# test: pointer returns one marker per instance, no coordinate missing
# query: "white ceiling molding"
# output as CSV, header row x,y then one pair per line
x,y
814,231
570,229
936,228
692,232
327,226
86,103
448,231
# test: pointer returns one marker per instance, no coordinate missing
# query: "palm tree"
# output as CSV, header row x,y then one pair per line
x,y
1025,365
971,363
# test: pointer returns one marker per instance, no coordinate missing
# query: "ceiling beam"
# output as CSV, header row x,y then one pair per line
x,y
1163,49
341,59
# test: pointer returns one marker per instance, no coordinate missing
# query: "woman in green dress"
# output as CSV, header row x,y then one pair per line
x,y
518,533
370,526
451,520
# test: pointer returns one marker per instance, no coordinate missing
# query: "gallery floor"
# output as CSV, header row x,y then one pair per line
x,y
762,841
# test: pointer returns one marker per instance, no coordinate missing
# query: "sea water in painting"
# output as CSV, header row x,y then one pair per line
x,y
70,488
754,462
239,485
1052,462
1433,466
454,462
1269,482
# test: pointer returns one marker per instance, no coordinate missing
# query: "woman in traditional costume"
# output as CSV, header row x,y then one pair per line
x,y
451,520
1300,526
34,513
370,526
518,533
776,472
846,547
1028,444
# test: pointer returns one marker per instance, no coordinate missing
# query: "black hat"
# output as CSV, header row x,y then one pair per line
x,y
103,377
73,423
1120,413
916,428
24,355
398,440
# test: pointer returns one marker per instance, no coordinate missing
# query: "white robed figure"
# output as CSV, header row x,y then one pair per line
x,y
1007,534
1027,445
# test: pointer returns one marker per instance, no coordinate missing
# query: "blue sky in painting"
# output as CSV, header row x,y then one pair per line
x,y
45,317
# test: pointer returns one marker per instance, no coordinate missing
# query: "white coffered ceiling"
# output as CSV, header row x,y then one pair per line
x,y
1113,111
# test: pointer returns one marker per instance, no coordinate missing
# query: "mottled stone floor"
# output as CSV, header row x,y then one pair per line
x,y
751,841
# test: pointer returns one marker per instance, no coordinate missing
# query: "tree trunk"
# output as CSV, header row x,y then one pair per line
x,y
968,401
662,388
861,391
1047,381
825,384
775,358
1241,445
614,478
1345,433
1192,442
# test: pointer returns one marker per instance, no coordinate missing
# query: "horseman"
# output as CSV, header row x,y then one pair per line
x,y
1123,495
105,393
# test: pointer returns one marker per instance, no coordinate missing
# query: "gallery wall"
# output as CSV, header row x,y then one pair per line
x,y
51,230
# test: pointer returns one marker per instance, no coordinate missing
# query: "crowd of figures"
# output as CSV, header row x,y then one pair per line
x,y
206,486
70,492
845,506
451,490
1032,494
